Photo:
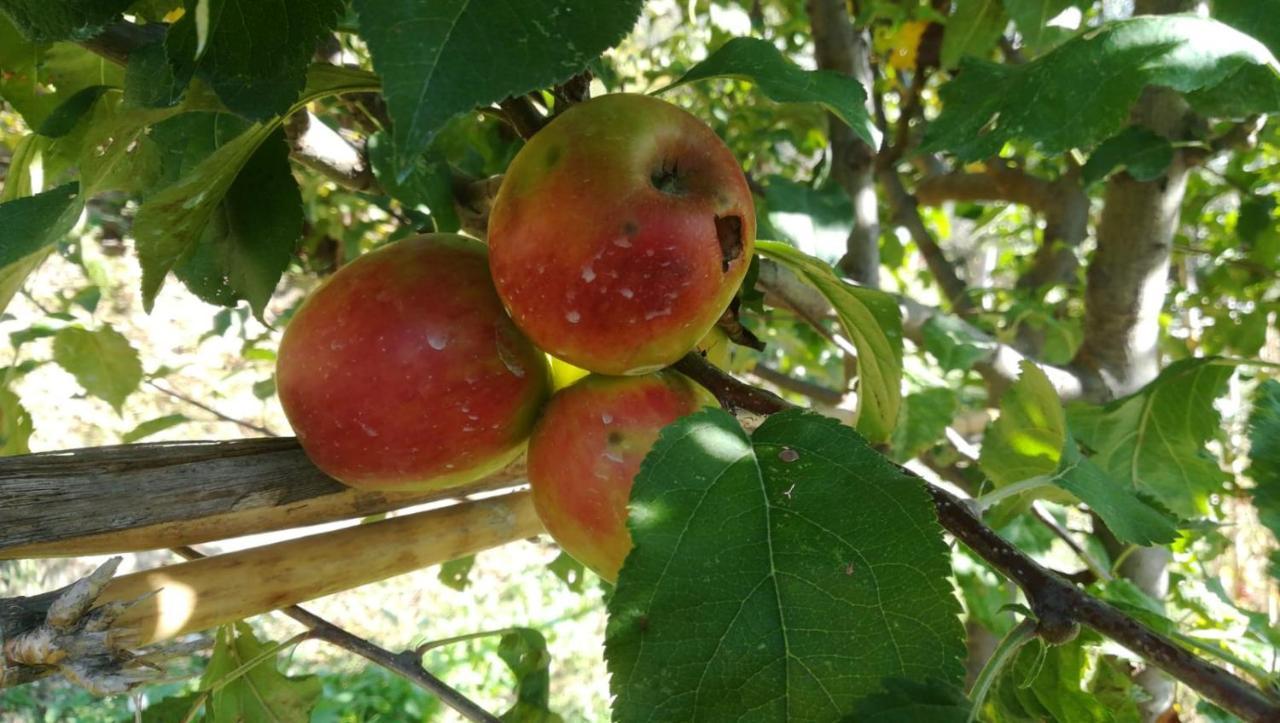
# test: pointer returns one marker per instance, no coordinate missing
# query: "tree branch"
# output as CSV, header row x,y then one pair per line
x,y
1059,606
320,148
201,405
523,117
405,664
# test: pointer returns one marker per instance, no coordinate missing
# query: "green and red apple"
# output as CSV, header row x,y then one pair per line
x,y
586,450
620,234
402,371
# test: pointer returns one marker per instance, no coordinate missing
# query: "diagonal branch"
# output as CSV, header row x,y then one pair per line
x,y
1059,606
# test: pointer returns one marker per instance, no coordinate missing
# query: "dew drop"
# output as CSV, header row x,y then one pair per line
x,y
622,242
606,418
573,317
788,455
588,273
438,340
370,431
626,293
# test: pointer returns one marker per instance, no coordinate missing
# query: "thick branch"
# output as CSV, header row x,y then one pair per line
x,y
906,213
1059,606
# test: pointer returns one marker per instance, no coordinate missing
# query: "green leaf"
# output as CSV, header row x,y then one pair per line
x,y
64,117
905,699
1026,441
102,361
429,183
922,421
457,573
758,586
1032,18
118,154
31,225
154,426
170,223
262,694
15,425
1153,441
252,235
955,344
149,80
174,709
972,30
571,572
1255,17
443,58
1141,152
1132,518
42,21
37,79
1264,459
874,325
1066,683
524,650
1081,92
254,54
758,61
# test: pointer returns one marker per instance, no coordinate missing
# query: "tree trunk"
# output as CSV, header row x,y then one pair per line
x,y
840,47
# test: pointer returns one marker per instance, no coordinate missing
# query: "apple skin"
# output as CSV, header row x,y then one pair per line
x,y
586,450
402,371
620,234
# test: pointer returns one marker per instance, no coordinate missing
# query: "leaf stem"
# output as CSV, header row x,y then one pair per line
x,y
1010,644
982,503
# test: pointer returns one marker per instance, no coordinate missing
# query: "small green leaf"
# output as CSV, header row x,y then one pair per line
x,y
265,388
66,116
1032,19
1153,441
1132,518
260,695
31,71
429,183
955,344
1026,440
43,21
1264,460
1081,92
457,573
922,421
30,225
254,55
443,58
874,325
973,28
524,650
1144,154
153,426
759,62
102,361
15,425
170,223
780,577
571,572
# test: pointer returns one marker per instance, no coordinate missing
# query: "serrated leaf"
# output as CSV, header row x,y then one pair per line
x,y
524,650
783,575
758,61
15,425
1141,152
153,426
1026,441
955,344
460,54
1264,459
905,699
32,224
118,154
874,325
254,55
1153,441
1133,519
252,235
973,28
262,694
170,223
571,572
102,361
1081,92
42,21
922,421
457,573
1063,683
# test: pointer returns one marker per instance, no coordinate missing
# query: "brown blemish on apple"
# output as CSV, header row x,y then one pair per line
x,y
729,231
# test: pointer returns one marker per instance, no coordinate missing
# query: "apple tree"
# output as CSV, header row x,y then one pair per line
x,y
886,360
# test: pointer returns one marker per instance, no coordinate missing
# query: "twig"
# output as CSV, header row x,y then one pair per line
x,y
201,405
786,382
1065,535
405,663
522,116
1059,606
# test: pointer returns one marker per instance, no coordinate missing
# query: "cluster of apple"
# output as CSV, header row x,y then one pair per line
x,y
618,238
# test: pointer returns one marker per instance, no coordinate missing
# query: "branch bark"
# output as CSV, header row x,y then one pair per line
x,y
1059,606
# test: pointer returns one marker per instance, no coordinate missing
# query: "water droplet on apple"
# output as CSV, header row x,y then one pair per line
x,y
606,418
370,431
588,273
626,293
573,317
622,242
438,340
788,455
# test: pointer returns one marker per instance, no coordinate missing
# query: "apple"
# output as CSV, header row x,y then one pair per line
x,y
586,450
620,233
402,371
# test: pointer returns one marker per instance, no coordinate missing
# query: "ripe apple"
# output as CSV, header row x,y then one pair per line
x,y
402,371
620,233
586,450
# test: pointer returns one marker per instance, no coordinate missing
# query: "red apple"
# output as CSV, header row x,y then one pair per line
x,y
620,234
402,371
586,450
